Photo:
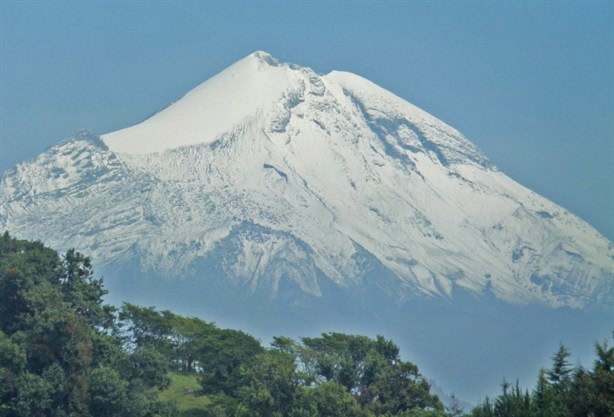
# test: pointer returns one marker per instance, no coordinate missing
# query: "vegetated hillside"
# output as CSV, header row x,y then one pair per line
x,y
60,353
187,394
64,352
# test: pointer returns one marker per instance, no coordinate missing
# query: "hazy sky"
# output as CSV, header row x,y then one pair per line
x,y
530,83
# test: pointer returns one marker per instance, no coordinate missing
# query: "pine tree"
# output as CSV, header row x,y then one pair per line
x,y
561,371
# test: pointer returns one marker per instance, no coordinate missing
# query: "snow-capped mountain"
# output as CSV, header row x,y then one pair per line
x,y
270,173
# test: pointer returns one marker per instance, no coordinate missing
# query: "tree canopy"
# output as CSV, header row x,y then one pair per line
x,y
560,391
59,350
65,353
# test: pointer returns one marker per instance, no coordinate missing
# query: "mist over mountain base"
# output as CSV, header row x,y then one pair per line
x,y
468,344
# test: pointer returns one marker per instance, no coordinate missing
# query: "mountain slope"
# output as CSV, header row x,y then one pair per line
x,y
270,174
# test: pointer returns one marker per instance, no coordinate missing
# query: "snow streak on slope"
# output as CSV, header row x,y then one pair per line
x,y
272,172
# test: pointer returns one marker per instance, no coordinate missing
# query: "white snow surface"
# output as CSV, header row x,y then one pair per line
x,y
218,105
277,173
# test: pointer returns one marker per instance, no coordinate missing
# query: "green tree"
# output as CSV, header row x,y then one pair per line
x,y
602,396
148,367
269,385
561,370
59,352
180,339
328,399
107,393
371,370
547,401
221,356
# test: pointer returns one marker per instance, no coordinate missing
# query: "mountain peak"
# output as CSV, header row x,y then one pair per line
x,y
260,91
226,101
264,57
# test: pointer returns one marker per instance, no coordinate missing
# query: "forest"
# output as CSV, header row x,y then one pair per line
x,y
64,352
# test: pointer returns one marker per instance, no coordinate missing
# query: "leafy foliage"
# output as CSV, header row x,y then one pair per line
x,y
63,352
59,353
317,376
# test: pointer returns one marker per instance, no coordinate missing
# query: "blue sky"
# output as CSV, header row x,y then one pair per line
x,y
530,83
